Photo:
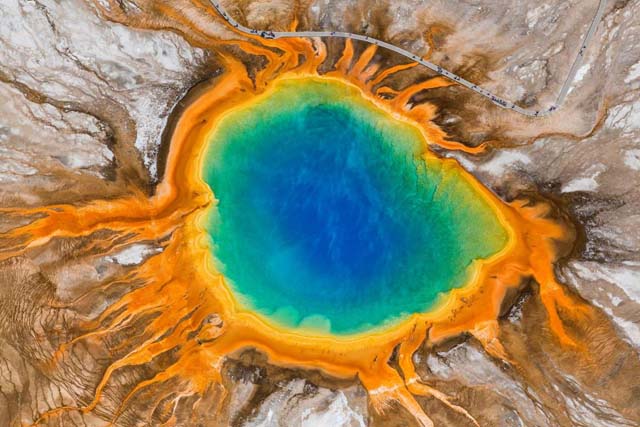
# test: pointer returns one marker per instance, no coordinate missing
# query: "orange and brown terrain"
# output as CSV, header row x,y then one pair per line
x,y
113,313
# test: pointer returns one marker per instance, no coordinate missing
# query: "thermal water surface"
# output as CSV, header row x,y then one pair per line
x,y
329,215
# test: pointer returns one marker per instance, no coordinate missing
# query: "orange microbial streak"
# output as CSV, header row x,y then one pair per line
x,y
200,318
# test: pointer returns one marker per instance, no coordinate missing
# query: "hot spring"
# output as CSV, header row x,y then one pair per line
x,y
331,214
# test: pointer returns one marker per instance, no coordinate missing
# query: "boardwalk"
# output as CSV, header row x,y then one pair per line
x,y
501,102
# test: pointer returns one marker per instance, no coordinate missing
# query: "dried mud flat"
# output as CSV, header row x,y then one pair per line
x,y
91,92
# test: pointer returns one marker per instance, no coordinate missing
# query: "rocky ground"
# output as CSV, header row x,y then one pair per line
x,y
85,102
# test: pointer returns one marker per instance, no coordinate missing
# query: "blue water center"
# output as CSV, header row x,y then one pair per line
x,y
329,216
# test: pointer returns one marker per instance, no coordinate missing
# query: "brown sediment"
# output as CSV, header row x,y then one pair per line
x,y
435,36
256,367
195,315
392,70
192,94
120,134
